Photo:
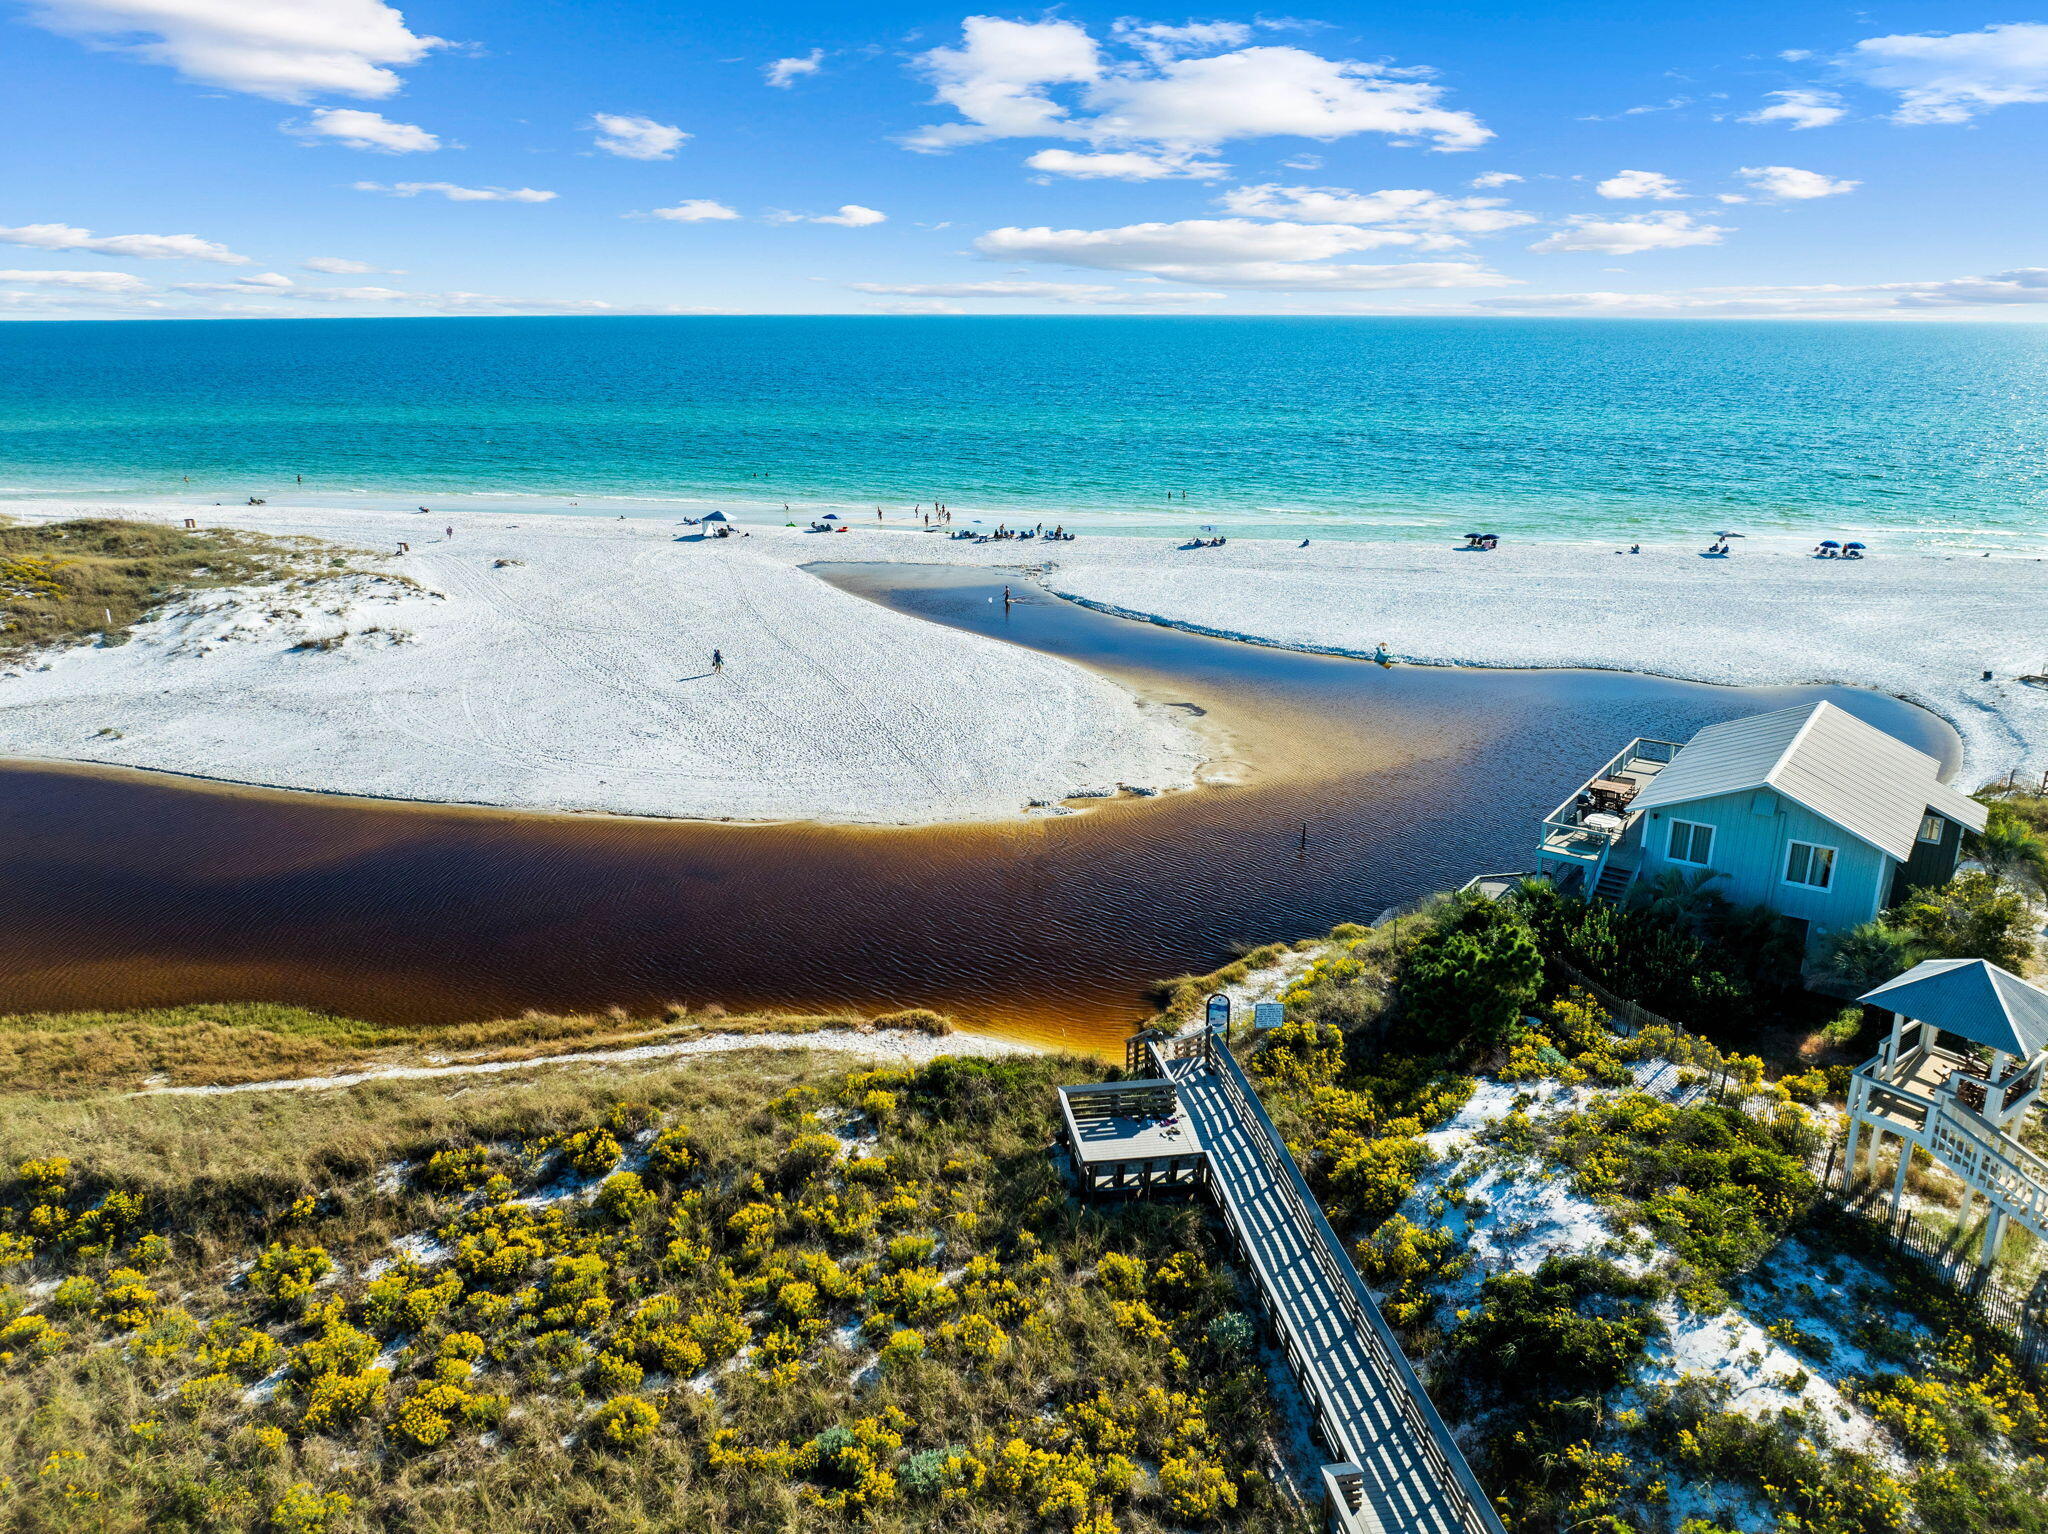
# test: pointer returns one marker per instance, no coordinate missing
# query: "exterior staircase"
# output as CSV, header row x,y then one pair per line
x,y
1613,883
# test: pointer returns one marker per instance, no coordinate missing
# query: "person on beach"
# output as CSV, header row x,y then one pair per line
x,y
717,660
449,531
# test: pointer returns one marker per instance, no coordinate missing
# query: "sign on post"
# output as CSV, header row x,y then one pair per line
x,y
1268,1014
1219,1013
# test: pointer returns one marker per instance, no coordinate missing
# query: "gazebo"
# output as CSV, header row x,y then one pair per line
x,y
1931,1087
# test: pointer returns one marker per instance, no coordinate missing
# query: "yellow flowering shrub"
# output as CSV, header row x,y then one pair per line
x,y
624,1422
289,1273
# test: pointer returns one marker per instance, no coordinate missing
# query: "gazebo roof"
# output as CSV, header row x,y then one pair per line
x,y
1973,999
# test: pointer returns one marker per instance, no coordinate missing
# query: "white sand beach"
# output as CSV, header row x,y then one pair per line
x,y
1917,626
561,662
564,663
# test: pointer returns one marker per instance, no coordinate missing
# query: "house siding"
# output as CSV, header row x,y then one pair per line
x,y
1753,834
1931,862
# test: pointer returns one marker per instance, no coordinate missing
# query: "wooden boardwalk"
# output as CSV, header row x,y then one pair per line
x,y
1399,1470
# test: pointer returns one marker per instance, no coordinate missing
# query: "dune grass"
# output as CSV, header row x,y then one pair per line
x,y
223,1043
758,1292
64,582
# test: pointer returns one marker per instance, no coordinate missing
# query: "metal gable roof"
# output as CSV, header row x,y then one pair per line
x,y
1973,999
1871,784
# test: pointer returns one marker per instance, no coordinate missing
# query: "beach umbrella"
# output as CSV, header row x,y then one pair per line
x,y
717,516
1852,545
831,516
1829,543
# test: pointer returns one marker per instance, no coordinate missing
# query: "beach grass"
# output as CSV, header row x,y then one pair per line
x,y
758,1291
62,583
227,1043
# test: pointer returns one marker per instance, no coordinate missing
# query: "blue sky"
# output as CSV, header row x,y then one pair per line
x,y
253,158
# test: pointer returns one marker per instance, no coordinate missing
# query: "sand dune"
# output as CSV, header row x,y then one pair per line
x,y
562,662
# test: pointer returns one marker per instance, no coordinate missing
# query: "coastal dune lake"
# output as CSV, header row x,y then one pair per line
x,y
1339,788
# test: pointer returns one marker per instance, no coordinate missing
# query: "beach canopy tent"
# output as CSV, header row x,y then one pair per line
x,y
1973,999
717,516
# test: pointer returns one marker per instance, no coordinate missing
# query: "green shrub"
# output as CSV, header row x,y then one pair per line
x,y
1577,1325
1232,1334
1471,977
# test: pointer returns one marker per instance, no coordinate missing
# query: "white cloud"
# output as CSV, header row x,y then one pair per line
x,y
1423,218
2022,285
2027,285
1175,94
917,306
1800,109
47,300
339,266
851,215
1125,165
784,73
288,50
1302,162
1640,184
354,128
1233,252
636,138
268,284
1160,42
1494,178
1087,294
1795,55
1633,235
454,193
92,282
999,76
144,247
1952,77
1784,183
692,210
1263,92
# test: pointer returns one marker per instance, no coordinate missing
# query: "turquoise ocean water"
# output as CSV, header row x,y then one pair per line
x,y
1933,436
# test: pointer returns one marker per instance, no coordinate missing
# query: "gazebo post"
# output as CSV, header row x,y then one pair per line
x,y
1849,1155
1899,1180
1994,1236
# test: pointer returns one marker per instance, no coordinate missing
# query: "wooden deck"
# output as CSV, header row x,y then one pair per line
x,y
1131,1138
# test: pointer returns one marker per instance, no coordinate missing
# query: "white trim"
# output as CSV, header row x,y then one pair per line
x,y
1940,829
1834,857
1671,836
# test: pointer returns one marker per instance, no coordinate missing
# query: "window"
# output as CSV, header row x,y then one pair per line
x,y
1810,865
1931,828
1691,843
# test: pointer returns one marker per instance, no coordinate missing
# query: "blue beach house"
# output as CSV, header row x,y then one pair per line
x,y
1807,811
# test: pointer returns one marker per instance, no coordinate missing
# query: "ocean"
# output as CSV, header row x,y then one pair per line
x,y
1932,436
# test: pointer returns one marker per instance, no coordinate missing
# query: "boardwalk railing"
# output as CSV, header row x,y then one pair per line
x,y
1393,1381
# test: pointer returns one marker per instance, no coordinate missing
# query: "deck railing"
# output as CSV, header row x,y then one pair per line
x,y
1426,1429
1566,820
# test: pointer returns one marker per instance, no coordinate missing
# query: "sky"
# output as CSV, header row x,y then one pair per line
x,y
269,158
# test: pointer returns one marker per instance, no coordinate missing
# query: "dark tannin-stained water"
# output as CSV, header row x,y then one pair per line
x,y
121,891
